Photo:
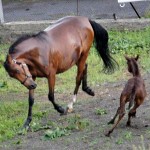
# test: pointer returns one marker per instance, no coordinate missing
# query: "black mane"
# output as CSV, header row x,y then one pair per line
x,y
39,35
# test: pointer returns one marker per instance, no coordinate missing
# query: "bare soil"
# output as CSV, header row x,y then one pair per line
x,y
93,137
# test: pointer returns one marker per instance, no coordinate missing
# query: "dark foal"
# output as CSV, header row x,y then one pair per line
x,y
134,92
62,45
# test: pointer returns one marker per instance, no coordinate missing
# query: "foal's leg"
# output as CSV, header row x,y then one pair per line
x,y
85,88
120,112
114,118
132,112
31,102
51,83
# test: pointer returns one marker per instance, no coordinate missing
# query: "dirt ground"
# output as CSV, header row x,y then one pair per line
x,y
106,97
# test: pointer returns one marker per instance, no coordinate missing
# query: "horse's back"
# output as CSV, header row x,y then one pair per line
x,y
75,21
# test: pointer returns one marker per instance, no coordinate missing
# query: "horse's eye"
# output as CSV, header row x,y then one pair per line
x,y
17,71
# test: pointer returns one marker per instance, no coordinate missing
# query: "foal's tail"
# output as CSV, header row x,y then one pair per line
x,y
101,45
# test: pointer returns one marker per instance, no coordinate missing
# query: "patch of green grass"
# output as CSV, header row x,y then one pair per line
x,y
13,115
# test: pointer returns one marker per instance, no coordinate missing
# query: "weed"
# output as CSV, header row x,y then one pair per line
x,y
128,135
119,141
99,111
77,123
52,134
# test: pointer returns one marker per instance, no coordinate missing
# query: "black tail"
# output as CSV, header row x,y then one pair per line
x,y
101,45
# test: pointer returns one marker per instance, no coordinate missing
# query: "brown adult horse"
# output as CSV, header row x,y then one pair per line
x,y
54,50
134,92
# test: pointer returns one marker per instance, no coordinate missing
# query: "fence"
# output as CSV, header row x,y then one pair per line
x,y
33,10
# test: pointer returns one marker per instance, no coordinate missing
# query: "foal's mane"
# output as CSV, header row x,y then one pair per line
x,y
39,36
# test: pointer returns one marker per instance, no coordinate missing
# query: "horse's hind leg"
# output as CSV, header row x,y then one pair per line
x,y
51,81
81,66
85,88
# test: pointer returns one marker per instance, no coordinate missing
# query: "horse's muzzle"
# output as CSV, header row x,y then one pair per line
x,y
32,86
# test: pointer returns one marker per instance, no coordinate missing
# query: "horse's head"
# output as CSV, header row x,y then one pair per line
x,y
19,71
132,63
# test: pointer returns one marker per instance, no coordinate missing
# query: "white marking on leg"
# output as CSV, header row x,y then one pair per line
x,y
70,105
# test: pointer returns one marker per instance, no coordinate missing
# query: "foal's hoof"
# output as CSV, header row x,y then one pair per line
x,y
128,124
107,134
111,122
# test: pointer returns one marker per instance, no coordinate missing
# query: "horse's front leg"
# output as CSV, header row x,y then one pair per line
x,y
31,102
85,88
51,83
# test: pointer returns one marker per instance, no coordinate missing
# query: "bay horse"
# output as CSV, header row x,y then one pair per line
x,y
134,92
56,49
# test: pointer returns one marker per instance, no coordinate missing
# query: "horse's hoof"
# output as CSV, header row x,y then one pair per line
x,y
60,110
65,112
88,91
69,110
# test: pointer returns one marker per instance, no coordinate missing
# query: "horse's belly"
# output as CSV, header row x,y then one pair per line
x,y
65,66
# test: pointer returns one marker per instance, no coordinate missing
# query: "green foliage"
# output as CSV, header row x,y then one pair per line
x,y
128,135
119,141
99,111
58,132
72,123
3,84
126,42
76,122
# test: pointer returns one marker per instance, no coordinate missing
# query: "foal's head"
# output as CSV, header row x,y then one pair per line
x,y
132,65
19,71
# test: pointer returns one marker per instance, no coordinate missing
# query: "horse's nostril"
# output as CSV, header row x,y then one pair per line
x,y
33,86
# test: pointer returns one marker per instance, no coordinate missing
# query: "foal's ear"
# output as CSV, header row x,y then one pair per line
x,y
127,58
137,57
9,59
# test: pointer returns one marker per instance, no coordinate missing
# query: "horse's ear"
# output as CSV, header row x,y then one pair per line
x,y
137,57
9,59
